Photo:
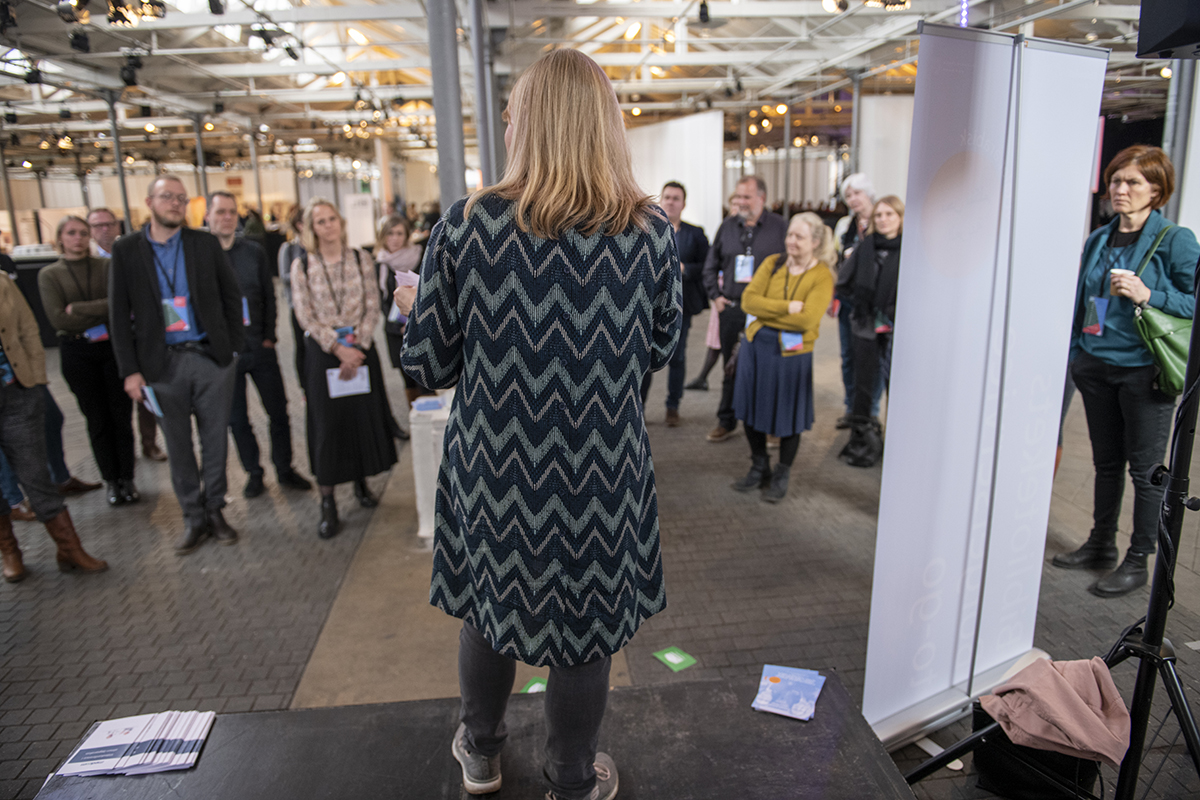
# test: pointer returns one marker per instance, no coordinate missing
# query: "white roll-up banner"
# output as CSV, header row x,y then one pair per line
x,y
1003,145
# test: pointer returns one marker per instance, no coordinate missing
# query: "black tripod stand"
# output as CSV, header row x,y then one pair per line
x,y
1144,639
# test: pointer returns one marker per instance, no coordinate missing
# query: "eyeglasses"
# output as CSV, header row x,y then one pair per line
x,y
172,198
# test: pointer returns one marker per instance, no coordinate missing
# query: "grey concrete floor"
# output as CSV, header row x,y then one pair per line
x,y
284,619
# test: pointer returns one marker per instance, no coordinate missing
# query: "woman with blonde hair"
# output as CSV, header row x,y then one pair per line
x,y
870,276
395,253
336,299
546,298
773,393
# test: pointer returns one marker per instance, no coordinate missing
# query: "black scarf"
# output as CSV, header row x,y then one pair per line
x,y
877,276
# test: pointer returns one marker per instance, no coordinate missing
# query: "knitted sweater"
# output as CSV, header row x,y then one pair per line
x,y
546,538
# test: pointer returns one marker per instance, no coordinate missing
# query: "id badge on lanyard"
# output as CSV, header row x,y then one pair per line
x,y
245,313
743,268
1093,316
177,315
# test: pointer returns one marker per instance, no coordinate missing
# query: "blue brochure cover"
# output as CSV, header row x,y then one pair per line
x,y
788,691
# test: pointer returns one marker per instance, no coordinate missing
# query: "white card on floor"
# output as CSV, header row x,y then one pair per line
x,y
359,384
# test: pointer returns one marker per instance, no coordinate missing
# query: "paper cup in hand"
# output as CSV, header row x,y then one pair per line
x,y
1114,273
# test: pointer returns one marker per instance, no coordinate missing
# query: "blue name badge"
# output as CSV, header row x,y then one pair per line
x,y
177,315
743,269
1094,314
245,312
346,337
790,342
99,333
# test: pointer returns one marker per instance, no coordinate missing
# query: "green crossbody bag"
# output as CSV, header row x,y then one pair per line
x,y
1166,337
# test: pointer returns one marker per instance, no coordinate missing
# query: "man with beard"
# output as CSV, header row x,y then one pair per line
x,y
176,326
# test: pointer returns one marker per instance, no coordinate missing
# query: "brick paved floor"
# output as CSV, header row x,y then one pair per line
x,y
230,629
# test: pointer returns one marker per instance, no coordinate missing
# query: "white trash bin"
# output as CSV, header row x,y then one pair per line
x,y
427,429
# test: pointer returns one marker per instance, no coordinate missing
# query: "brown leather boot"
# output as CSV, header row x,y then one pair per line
x,y
14,569
71,555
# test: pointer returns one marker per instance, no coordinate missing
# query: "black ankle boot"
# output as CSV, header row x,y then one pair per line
x,y
365,498
329,518
866,442
758,476
1098,552
779,483
1132,574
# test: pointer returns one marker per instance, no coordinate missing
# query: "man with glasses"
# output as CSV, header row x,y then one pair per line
x,y
105,227
176,326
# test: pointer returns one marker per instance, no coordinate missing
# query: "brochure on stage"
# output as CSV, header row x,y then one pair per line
x,y
141,745
788,691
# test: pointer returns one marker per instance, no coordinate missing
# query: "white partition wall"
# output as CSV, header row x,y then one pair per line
x,y
996,196
689,150
885,135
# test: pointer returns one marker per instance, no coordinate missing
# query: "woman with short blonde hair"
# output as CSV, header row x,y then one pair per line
x,y
773,392
547,298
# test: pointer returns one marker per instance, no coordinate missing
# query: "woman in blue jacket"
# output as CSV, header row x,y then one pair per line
x,y
1139,259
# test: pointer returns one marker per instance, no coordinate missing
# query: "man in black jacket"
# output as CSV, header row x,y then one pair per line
x,y
742,242
257,361
176,324
692,245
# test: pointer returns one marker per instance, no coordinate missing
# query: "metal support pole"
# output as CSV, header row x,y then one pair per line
x,y
257,175
787,161
447,100
41,189
1179,123
803,175
110,97
295,175
856,83
8,201
483,93
201,167
82,175
337,200
742,146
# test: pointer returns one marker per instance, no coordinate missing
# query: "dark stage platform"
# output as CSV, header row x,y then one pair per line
x,y
681,741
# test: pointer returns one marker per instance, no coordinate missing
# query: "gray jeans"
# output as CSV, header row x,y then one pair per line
x,y
23,440
193,384
575,701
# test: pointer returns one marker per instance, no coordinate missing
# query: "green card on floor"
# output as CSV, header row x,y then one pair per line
x,y
534,686
675,658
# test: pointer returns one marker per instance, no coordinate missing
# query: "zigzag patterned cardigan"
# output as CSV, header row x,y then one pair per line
x,y
547,518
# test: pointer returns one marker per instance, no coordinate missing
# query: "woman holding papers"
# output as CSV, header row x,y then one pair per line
x,y
773,393
1139,260
23,437
871,276
75,295
547,298
399,261
336,299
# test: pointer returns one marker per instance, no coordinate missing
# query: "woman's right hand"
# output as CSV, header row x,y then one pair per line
x,y
795,306
352,358
405,297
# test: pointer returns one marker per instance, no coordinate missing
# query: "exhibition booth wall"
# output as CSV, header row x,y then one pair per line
x,y
688,150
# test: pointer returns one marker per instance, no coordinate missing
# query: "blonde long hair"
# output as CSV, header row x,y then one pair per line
x,y
308,237
824,249
896,205
569,164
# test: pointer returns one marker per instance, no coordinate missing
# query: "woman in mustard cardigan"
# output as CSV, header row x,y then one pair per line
x,y
774,393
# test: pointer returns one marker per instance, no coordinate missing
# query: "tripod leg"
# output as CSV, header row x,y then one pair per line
x,y
1183,712
1139,717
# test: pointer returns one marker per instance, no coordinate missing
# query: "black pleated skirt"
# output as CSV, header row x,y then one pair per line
x,y
350,437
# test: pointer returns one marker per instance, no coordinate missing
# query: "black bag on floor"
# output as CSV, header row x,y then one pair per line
x,y
866,442
1001,773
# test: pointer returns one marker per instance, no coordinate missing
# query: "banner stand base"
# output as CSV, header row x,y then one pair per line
x,y
946,708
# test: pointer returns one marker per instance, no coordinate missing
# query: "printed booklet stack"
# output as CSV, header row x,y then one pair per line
x,y
140,745
788,691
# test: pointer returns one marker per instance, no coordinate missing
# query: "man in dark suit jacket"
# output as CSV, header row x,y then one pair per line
x,y
692,245
176,325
